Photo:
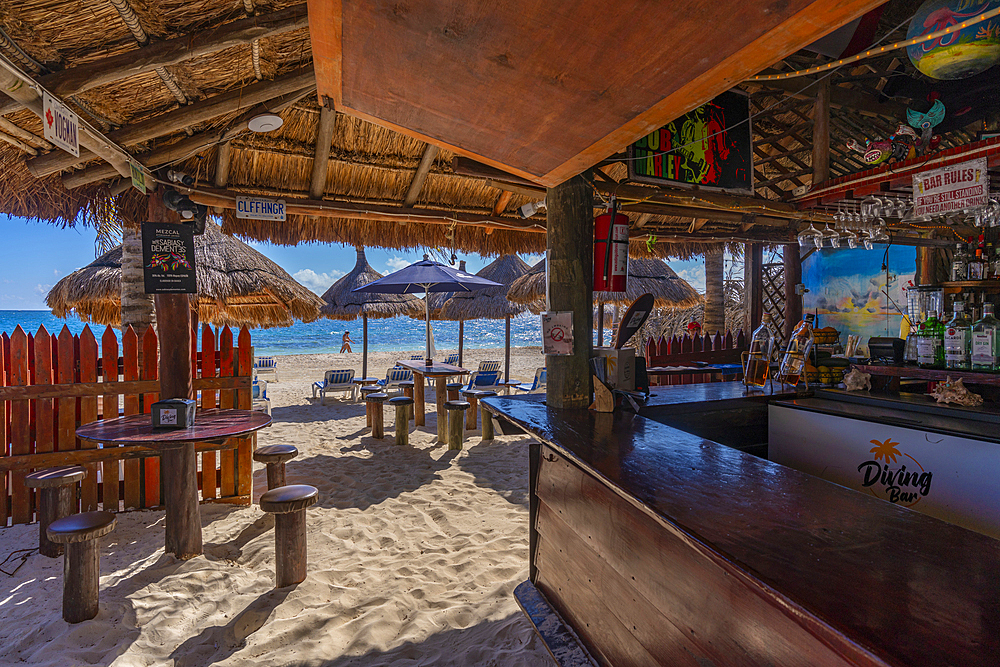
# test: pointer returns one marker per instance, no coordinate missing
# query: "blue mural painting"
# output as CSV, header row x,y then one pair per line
x,y
847,289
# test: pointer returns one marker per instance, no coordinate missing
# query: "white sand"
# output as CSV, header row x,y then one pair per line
x,y
413,556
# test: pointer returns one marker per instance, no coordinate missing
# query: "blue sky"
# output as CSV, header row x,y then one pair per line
x,y
38,254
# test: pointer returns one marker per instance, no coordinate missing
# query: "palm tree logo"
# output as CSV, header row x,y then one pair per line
x,y
885,450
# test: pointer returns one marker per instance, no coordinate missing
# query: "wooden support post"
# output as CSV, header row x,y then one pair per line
x,y
290,548
506,354
570,276
487,425
419,408
378,420
793,301
81,574
364,345
753,282
440,398
821,133
179,464
461,341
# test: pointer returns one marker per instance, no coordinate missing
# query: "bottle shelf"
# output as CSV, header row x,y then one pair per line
x,y
937,374
971,284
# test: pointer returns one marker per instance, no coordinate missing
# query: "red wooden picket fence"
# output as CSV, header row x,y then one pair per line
x,y
50,385
685,350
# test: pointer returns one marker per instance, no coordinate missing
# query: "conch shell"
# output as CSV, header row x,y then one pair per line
x,y
857,380
955,392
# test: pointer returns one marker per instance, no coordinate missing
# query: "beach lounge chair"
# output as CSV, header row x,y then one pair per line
x,y
394,376
489,380
342,380
266,365
260,400
538,383
451,359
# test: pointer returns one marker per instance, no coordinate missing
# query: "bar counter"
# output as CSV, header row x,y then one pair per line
x,y
659,546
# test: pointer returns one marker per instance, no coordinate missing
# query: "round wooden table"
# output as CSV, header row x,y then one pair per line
x,y
179,470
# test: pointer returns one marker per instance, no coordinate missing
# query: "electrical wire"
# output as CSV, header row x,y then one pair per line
x,y
23,554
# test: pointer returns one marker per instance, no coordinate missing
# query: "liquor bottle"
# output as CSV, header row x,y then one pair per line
x,y
930,343
986,341
959,263
988,262
976,262
761,351
958,339
793,364
996,264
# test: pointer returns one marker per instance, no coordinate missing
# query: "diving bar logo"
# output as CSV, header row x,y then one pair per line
x,y
60,125
897,485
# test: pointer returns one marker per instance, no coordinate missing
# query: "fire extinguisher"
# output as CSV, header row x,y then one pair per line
x,y
611,250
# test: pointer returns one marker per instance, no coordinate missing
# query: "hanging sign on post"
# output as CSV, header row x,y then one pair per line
x,y
168,263
260,208
138,177
60,125
557,333
953,188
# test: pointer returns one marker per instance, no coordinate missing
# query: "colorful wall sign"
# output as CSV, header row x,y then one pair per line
x,y
960,186
709,147
168,263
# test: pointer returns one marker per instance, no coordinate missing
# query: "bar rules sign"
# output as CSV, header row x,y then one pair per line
x,y
168,264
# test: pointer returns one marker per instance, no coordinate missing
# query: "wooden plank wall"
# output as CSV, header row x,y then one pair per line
x,y
51,384
639,592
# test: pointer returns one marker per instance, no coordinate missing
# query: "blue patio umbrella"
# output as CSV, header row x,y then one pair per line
x,y
427,276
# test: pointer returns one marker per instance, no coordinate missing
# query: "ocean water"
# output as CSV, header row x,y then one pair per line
x,y
323,335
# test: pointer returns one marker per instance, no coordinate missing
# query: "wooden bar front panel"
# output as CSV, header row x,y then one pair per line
x,y
638,592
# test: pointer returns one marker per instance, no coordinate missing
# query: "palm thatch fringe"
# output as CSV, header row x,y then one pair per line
x,y
342,303
491,303
236,286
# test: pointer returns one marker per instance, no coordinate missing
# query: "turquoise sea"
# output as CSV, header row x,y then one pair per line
x,y
399,333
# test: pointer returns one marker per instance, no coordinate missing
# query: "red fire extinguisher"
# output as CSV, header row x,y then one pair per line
x,y
611,250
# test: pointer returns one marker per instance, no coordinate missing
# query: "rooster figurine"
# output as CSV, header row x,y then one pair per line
x,y
925,124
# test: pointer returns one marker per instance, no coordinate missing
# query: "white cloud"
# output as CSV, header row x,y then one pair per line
x,y
695,276
396,263
317,282
42,289
531,260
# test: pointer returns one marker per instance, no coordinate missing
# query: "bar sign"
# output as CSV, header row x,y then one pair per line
x,y
60,125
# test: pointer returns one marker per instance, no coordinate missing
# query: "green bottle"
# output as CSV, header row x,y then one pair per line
x,y
986,341
930,344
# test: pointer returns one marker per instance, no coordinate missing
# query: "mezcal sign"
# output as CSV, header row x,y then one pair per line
x,y
954,188
260,208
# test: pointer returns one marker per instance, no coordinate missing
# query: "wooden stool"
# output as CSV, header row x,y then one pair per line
x,y
374,403
402,404
407,387
360,383
365,393
82,564
288,504
275,456
56,496
487,418
453,389
455,409
472,416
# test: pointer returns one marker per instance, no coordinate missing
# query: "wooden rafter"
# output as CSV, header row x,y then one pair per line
x,y
321,160
420,175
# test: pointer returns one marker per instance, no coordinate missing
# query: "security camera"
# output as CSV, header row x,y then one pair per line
x,y
531,208
179,177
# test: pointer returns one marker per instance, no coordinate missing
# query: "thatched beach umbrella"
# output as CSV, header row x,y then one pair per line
x,y
489,304
236,286
342,303
651,276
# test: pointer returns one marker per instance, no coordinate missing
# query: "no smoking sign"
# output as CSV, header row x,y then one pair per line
x,y
557,333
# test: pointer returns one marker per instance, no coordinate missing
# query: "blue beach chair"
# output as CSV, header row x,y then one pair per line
x,y
342,380
538,383
266,365
394,376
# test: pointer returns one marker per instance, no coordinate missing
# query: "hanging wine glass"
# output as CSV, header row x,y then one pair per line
x,y
832,236
881,232
808,237
866,239
850,237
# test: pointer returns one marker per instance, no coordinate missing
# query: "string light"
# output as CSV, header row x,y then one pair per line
x,y
871,52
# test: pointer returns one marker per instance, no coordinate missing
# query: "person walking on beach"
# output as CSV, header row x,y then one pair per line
x,y
346,340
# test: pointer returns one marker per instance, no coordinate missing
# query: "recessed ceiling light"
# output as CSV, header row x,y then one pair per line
x,y
265,122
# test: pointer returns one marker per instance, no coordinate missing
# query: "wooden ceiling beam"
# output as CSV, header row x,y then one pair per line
x,y
181,117
420,175
804,88
501,204
321,160
189,147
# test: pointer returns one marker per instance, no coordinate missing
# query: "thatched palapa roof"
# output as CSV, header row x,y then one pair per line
x,y
490,303
341,302
644,276
236,286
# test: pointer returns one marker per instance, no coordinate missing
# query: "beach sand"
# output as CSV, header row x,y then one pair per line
x,y
413,555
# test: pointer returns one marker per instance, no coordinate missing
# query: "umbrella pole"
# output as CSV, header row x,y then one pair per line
x,y
427,315
364,362
461,340
600,323
506,369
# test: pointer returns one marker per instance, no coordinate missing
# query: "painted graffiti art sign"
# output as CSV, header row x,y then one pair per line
x,y
60,125
168,263
953,188
709,147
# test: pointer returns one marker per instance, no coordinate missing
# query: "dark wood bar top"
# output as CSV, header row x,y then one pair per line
x,y
705,396
872,580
